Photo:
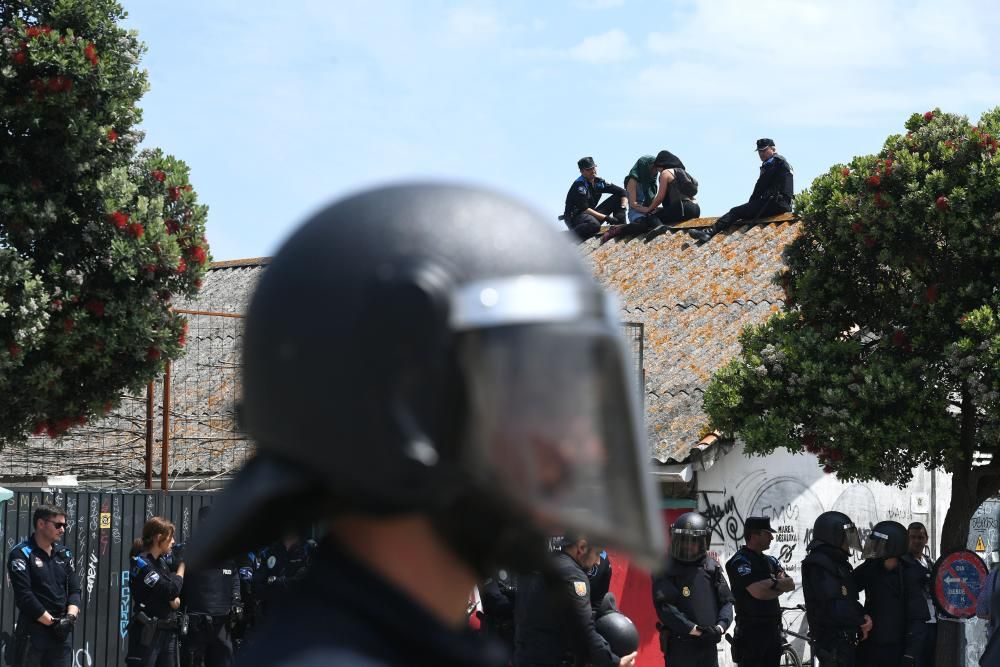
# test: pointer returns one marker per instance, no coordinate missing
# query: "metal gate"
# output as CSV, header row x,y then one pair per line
x,y
100,528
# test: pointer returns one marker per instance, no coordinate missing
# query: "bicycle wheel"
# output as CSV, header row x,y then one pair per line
x,y
789,658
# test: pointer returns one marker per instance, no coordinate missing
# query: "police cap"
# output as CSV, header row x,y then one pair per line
x,y
586,163
764,143
757,523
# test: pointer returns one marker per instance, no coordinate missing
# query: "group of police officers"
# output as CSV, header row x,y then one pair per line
x,y
432,375
179,616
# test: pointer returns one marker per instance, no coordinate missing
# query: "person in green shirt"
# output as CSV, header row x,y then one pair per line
x,y
648,185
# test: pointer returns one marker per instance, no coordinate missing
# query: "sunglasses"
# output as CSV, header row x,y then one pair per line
x,y
58,524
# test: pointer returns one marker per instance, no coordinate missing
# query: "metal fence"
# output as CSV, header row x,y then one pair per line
x,y
100,529
634,333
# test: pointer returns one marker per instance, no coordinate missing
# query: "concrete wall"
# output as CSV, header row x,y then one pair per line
x,y
792,490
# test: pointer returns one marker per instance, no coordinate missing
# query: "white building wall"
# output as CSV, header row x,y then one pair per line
x,y
792,490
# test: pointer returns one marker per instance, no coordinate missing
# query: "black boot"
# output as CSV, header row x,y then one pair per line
x,y
702,235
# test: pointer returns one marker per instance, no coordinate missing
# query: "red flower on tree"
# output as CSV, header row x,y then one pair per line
x,y
90,53
845,172
942,203
95,306
899,338
874,180
153,354
136,229
172,226
118,219
112,136
20,57
929,116
182,266
175,193
197,254
159,175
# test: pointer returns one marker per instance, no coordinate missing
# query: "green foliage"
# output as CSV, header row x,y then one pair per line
x,y
889,335
95,237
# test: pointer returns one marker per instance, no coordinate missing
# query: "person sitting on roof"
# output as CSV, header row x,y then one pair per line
x,y
772,194
583,215
651,182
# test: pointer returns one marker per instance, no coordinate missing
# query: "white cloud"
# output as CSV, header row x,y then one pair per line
x,y
470,24
611,47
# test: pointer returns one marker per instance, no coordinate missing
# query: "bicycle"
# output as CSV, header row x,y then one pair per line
x,y
789,656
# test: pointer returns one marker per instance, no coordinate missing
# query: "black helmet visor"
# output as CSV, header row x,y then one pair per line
x,y
688,545
877,545
554,421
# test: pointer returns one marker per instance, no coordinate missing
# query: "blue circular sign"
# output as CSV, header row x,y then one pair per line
x,y
958,577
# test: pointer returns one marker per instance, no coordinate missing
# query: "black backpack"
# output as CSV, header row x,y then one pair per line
x,y
686,184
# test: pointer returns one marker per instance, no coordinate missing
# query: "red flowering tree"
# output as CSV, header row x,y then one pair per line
x,y
95,237
887,354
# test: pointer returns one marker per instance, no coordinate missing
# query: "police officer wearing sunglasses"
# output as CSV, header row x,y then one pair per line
x,y
46,592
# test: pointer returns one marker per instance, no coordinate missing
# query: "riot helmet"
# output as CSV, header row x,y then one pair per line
x,y
619,631
438,350
837,530
689,537
887,539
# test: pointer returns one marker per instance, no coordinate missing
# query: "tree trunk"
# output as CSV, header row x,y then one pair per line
x,y
955,535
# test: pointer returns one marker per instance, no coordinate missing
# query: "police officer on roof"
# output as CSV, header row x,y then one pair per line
x,y
832,609
441,394
212,600
893,598
583,215
757,580
553,618
46,592
692,599
772,194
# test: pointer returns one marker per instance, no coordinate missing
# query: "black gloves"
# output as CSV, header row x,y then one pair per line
x,y
710,635
63,626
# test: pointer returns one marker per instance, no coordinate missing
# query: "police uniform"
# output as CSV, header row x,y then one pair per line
x,y
686,595
757,640
498,595
583,195
772,194
42,583
600,580
832,607
279,567
554,621
345,615
154,626
893,598
213,603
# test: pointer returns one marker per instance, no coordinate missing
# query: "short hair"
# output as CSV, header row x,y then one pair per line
x,y
916,525
46,512
154,528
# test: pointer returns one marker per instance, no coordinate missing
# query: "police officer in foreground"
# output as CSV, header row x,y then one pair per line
x,y
281,566
772,194
553,617
46,593
211,598
433,374
893,598
583,214
692,600
757,580
836,619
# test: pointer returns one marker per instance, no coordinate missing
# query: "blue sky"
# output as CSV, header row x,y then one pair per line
x,y
280,108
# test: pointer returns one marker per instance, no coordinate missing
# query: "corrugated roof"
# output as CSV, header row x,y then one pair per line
x,y
694,301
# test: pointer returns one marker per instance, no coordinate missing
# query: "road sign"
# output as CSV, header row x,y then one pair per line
x,y
958,577
980,545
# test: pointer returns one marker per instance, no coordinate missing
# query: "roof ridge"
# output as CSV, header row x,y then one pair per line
x,y
236,263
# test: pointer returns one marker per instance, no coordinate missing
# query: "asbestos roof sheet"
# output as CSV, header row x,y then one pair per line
x,y
693,300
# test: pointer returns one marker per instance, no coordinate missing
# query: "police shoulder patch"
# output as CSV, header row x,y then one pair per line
x,y
582,189
743,568
580,588
25,549
19,564
151,578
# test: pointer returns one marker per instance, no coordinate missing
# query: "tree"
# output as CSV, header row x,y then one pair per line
x,y
95,237
886,355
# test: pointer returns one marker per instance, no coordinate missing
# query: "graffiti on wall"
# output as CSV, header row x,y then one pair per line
x,y
792,506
